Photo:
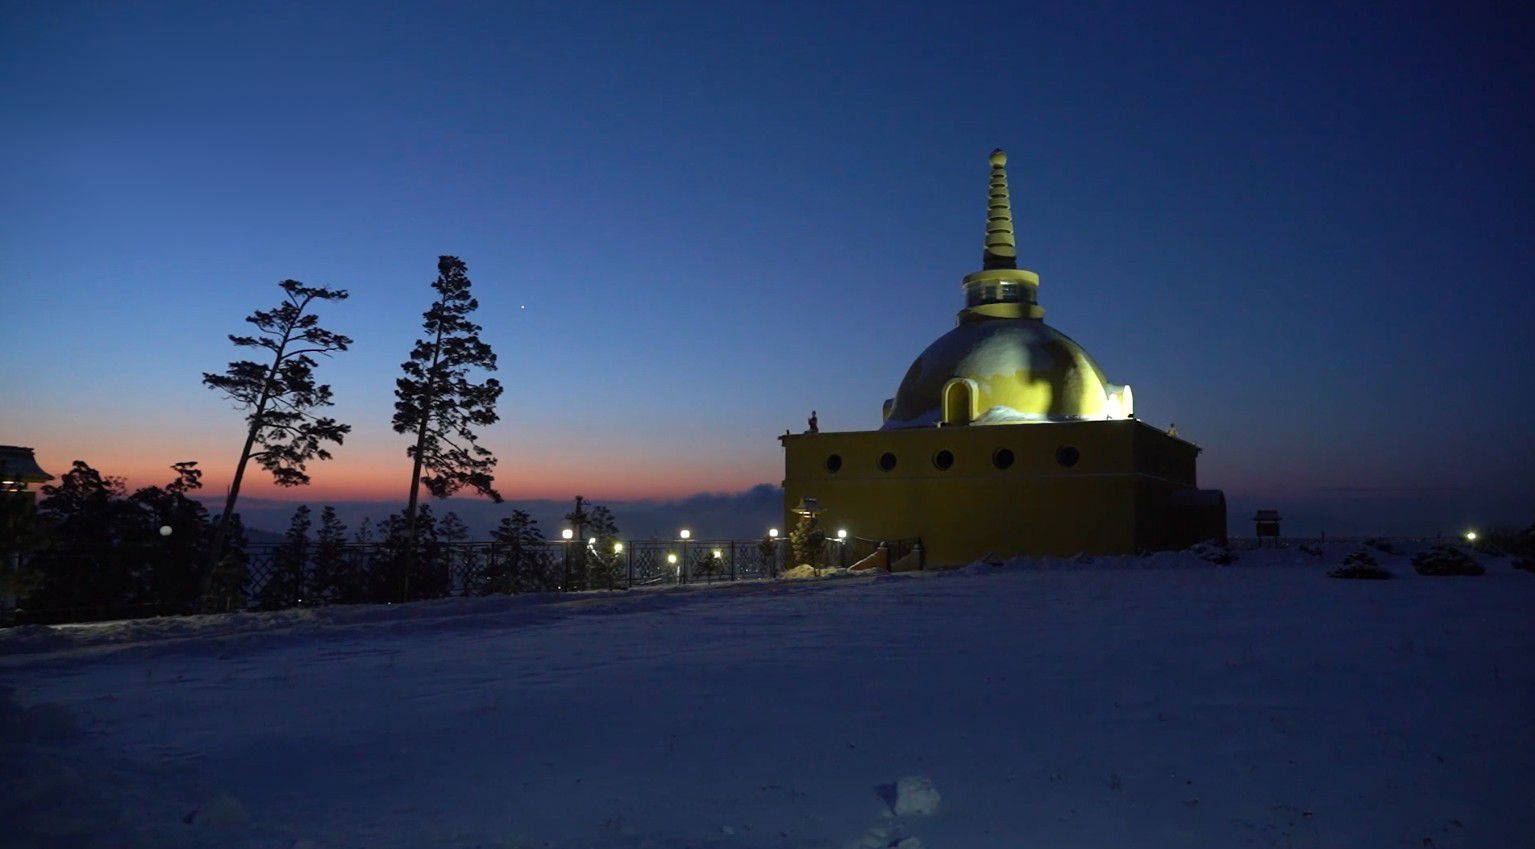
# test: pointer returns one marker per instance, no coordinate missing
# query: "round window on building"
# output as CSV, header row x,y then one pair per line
x,y
1002,458
1067,455
834,462
887,461
943,459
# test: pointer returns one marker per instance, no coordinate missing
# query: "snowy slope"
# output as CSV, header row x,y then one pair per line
x,y
1135,702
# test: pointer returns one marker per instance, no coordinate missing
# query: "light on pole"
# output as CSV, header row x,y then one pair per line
x,y
684,535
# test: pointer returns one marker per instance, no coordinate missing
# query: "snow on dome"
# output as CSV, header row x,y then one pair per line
x,y
1010,371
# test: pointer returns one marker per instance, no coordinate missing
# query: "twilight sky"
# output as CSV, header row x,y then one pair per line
x,y
1303,234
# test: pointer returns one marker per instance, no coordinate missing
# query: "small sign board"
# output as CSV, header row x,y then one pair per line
x,y
1267,523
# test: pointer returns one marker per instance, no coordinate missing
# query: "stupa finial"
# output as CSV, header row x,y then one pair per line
x,y
1001,252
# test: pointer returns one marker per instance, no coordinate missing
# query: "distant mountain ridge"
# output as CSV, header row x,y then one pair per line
x,y
708,515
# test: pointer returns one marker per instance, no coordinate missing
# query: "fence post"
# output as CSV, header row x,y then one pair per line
x,y
732,560
629,556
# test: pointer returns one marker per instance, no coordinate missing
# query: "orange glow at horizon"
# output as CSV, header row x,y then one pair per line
x,y
378,473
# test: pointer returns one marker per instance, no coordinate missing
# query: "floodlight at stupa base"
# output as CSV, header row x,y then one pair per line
x,y
716,553
618,548
591,540
1471,536
671,559
842,534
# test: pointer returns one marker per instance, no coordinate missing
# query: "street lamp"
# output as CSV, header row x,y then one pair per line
x,y
1470,536
618,548
773,532
683,535
566,536
842,534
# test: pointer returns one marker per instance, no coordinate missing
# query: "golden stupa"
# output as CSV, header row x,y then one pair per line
x,y
1005,438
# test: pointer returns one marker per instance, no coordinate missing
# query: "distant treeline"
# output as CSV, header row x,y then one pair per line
x,y
89,549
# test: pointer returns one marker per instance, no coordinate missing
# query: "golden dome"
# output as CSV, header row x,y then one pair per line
x,y
1004,371
1003,364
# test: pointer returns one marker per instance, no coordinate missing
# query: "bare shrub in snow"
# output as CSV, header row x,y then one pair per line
x,y
1359,564
1212,552
1446,560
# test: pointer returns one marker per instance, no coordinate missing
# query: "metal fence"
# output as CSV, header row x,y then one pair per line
x,y
77,584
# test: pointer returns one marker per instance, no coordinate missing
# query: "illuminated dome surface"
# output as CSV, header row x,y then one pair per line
x,y
1023,370
1003,364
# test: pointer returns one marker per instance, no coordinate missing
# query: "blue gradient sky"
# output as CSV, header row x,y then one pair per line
x,y
1303,234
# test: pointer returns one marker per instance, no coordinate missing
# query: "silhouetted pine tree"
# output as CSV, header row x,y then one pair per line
x,y
451,558
174,562
605,567
337,578
284,434
84,507
437,403
85,570
285,586
224,590
768,550
403,561
708,567
807,541
517,564
574,553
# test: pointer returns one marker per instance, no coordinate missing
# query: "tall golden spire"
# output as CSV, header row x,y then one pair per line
x,y
1000,289
1001,252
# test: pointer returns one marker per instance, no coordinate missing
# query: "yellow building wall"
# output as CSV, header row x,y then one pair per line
x,y
1113,499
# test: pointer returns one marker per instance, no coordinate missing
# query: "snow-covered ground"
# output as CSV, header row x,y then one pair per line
x,y
1122,702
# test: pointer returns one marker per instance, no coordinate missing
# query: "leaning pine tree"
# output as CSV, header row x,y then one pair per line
x,y
283,432
437,403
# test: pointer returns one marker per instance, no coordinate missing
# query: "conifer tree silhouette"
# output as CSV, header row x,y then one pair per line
x,y
438,403
283,432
